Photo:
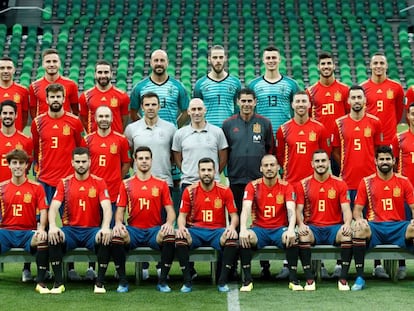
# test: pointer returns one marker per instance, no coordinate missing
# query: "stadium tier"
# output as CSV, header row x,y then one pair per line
x,y
125,33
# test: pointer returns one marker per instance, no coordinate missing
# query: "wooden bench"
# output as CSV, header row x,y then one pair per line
x,y
389,253
147,254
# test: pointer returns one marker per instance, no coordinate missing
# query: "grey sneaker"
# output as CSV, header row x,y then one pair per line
x,y
337,272
380,273
73,275
324,273
401,273
26,276
145,274
283,274
90,274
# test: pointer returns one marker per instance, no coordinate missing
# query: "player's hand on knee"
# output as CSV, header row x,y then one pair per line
x,y
105,236
244,238
41,235
230,233
119,231
346,230
290,238
56,236
182,233
167,229
303,230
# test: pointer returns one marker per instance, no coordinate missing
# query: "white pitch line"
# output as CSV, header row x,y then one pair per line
x,y
233,303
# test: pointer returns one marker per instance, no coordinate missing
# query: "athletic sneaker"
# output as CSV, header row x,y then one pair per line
x,y
359,284
310,285
73,275
186,289
145,274
379,272
337,272
324,273
295,286
343,285
163,288
42,289
402,273
58,290
122,288
223,288
283,274
26,276
90,274
99,289
247,288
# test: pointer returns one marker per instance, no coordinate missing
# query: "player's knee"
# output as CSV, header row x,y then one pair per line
x,y
170,238
116,240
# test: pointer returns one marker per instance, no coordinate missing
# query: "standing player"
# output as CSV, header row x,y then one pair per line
x,y
383,194
298,138
37,90
55,134
20,200
144,196
10,90
385,97
104,93
218,89
198,140
202,221
83,195
270,202
10,137
355,138
109,153
250,137
274,91
324,217
328,98
171,92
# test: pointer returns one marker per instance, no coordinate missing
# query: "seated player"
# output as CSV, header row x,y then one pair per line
x,y
271,204
144,196
324,217
20,199
83,195
202,222
383,194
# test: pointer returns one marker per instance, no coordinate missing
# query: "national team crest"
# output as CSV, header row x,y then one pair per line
x,y
396,192
113,149
312,136
218,203
16,98
367,132
331,193
27,198
92,192
155,191
18,146
66,130
257,128
114,102
390,94
337,96
280,199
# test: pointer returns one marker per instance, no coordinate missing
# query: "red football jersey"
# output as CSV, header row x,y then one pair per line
x,y
322,200
328,103
20,95
114,98
384,199
410,95
37,93
269,203
20,204
8,143
295,146
107,156
81,200
206,209
357,140
386,101
404,151
144,200
54,141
